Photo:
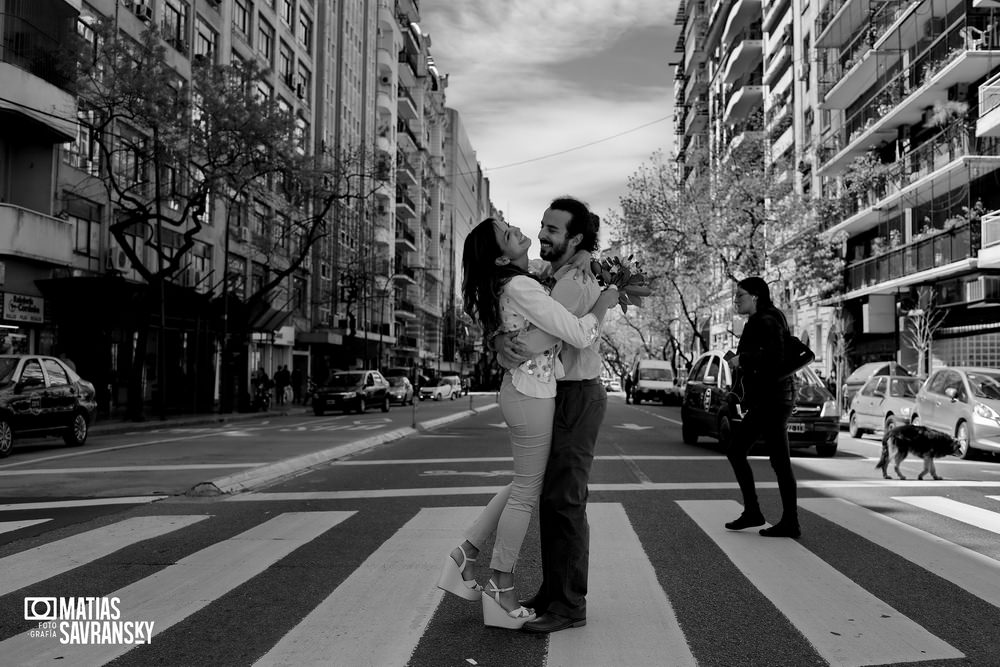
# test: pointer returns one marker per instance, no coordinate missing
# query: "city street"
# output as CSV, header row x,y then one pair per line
x,y
338,565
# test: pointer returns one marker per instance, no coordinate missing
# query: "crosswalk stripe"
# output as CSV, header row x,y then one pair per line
x,y
974,516
621,581
967,569
88,502
181,589
8,526
48,560
378,614
997,498
846,624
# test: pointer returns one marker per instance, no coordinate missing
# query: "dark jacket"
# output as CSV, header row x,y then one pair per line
x,y
762,351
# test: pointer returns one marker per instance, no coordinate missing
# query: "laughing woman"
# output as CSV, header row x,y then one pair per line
x,y
499,291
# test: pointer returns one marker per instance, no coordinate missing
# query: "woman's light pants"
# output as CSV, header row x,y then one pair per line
x,y
529,421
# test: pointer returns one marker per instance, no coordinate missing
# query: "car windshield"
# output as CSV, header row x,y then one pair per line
x,y
865,371
397,381
985,385
7,367
442,383
345,379
807,376
660,374
904,387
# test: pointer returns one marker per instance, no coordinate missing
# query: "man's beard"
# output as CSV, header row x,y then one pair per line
x,y
553,252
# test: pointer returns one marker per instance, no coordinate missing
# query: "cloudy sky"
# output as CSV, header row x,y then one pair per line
x,y
533,78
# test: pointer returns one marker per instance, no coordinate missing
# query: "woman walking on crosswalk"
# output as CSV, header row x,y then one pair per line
x,y
767,400
499,291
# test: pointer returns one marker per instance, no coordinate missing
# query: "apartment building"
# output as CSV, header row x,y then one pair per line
x,y
357,77
907,137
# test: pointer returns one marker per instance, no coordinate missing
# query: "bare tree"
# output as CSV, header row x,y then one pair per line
x,y
922,322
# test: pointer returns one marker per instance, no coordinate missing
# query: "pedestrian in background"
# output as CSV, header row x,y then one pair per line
x,y
499,291
767,401
296,385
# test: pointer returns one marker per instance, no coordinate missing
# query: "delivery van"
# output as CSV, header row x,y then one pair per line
x,y
653,380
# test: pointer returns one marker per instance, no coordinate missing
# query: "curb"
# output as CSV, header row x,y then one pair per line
x,y
249,479
152,424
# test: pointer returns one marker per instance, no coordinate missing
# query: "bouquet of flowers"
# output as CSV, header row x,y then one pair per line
x,y
626,275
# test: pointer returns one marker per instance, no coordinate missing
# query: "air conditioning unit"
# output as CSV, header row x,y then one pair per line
x,y
116,260
245,234
300,91
143,12
128,4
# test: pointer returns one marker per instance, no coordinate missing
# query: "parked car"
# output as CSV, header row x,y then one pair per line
x,y
41,395
438,390
458,389
706,410
964,402
351,391
865,372
614,385
884,402
400,389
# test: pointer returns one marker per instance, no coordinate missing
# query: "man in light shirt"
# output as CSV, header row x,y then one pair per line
x,y
568,226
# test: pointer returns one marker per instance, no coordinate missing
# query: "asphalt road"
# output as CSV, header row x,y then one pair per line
x,y
336,564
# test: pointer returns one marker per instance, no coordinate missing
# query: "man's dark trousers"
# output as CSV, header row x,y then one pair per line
x,y
565,535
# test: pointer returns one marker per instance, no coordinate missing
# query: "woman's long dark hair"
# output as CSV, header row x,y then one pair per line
x,y
758,287
482,279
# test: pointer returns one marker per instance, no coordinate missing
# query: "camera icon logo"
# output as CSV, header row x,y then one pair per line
x,y
40,609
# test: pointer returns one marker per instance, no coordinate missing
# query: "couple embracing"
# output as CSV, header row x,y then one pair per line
x,y
553,403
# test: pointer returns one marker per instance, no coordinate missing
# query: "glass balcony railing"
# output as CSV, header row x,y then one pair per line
x,y
934,250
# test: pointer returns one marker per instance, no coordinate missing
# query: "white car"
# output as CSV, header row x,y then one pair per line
x,y
438,391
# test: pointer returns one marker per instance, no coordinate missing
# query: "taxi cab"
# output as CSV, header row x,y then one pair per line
x,y
707,410
41,395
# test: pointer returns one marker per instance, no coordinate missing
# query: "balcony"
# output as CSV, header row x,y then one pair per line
x,y
745,57
697,118
405,208
743,101
945,163
30,234
406,240
939,254
405,173
774,11
840,19
903,100
406,138
405,105
988,123
743,14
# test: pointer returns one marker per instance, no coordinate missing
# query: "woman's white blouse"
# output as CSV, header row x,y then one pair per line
x,y
525,303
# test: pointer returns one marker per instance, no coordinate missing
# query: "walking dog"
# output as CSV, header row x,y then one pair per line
x,y
900,442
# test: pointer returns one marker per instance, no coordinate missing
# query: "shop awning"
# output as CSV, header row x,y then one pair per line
x,y
268,319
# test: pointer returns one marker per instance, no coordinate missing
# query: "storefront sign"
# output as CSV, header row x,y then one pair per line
x,y
23,308
284,336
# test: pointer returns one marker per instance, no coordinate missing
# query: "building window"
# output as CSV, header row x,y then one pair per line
x,y
236,275
206,41
288,11
303,85
282,228
305,31
265,40
258,278
301,134
84,153
299,292
175,24
286,65
87,236
241,17
258,221
264,91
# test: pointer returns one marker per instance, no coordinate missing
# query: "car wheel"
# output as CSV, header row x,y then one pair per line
x,y
725,433
385,404
688,435
828,449
361,406
76,434
437,397
853,428
636,400
963,436
6,438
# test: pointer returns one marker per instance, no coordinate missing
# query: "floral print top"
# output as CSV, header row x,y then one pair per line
x,y
524,304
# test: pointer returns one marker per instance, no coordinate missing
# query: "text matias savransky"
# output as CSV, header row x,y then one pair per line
x,y
85,620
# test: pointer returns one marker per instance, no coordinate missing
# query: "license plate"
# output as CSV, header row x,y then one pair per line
x,y
796,428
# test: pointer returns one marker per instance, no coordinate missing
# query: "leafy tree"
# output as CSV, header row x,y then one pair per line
x,y
177,146
922,322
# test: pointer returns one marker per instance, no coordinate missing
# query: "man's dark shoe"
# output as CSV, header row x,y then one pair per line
x,y
535,602
782,529
747,520
553,623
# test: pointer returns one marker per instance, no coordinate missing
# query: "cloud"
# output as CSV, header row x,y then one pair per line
x,y
531,79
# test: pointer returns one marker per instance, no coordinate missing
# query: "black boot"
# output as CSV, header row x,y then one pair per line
x,y
748,519
784,528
